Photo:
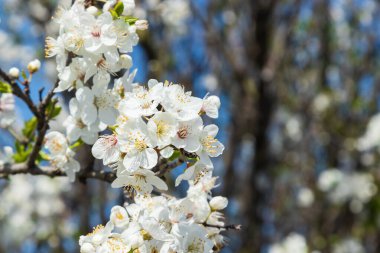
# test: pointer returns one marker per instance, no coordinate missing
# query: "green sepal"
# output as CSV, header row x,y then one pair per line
x,y
76,144
175,155
130,20
5,88
119,8
22,153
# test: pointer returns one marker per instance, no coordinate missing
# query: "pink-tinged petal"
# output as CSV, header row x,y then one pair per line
x,y
112,156
99,148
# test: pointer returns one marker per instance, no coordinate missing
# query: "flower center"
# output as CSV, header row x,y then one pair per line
x,y
80,124
140,145
209,144
105,100
117,245
162,128
119,216
102,64
196,246
56,146
96,32
183,132
96,230
50,47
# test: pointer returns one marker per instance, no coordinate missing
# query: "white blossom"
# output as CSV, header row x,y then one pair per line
x,y
134,140
14,72
140,180
6,156
7,110
106,148
61,156
349,245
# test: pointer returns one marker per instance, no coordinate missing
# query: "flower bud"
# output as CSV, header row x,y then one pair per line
x,y
142,25
14,73
34,66
125,61
218,203
92,10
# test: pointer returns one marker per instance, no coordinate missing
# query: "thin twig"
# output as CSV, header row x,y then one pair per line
x,y
23,168
226,227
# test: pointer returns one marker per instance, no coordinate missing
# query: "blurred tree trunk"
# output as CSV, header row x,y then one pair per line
x,y
259,185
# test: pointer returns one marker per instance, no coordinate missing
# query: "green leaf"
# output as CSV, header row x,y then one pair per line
x,y
175,155
76,144
43,156
114,14
119,8
30,127
56,110
53,110
19,147
5,88
24,75
130,20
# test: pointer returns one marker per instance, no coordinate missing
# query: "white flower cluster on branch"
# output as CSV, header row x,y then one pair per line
x,y
146,130
150,129
357,188
163,224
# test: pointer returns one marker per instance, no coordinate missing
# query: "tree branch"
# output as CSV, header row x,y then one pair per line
x,y
226,227
16,90
23,168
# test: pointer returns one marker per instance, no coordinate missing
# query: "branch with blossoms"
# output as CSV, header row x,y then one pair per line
x,y
141,132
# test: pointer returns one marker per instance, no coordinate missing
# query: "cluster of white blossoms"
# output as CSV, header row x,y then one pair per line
x,y
97,42
349,245
154,123
357,187
152,128
163,224
61,155
371,138
293,243
92,45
